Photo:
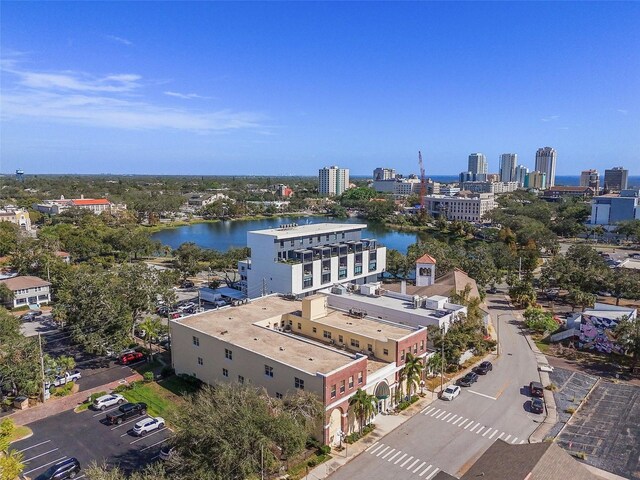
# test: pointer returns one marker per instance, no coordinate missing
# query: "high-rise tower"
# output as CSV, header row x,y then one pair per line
x,y
546,163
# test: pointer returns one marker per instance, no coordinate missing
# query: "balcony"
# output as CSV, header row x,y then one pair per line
x,y
342,273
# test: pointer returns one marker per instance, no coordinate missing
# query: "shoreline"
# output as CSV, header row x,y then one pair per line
x,y
185,223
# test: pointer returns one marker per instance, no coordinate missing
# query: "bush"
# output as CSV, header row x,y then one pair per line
x,y
167,371
96,395
570,410
62,391
539,321
355,436
122,388
312,443
407,403
324,449
148,376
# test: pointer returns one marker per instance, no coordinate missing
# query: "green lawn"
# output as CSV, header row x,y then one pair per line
x,y
159,400
20,432
178,386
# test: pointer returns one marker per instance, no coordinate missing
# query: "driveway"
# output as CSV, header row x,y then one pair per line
x,y
85,436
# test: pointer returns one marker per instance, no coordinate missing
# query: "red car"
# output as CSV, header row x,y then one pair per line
x,y
131,357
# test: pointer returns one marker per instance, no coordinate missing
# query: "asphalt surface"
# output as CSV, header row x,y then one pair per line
x,y
86,437
450,436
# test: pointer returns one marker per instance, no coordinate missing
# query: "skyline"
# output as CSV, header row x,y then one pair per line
x,y
221,88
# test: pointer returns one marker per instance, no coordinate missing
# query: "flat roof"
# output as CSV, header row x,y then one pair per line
x,y
235,325
309,229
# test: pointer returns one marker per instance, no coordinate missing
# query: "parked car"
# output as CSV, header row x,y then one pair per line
x,y
60,380
128,358
175,315
187,306
537,405
451,392
125,412
536,389
166,452
148,425
545,368
67,468
468,380
484,368
29,316
105,401
187,284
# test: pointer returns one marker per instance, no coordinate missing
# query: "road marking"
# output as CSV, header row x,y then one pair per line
x,y
481,428
390,451
378,447
440,414
507,438
501,435
503,388
488,430
45,465
123,424
514,440
482,394
125,433
406,461
455,416
104,412
81,476
38,456
435,412
381,451
522,441
399,460
425,470
468,424
34,446
369,448
493,434
394,456
416,461
474,427
445,417
428,407
421,465
149,435
151,446
460,420
433,474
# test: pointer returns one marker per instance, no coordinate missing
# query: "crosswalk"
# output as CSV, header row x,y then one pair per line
x,y
420,468
469,425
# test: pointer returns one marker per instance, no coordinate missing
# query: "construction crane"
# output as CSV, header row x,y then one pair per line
x,y
423,182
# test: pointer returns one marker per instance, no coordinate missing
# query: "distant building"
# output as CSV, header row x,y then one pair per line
x,y
284,191
536,180
449,190
333,180
27,290
546,158
302,259
95,205
590,178
19,216
508,163
202,200
611,208
562,191
521,175
616,179
595,326
20,175
398,186
477,163
470,208
381,173
490,187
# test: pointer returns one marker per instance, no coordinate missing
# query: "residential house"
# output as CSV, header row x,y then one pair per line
x,y
27,290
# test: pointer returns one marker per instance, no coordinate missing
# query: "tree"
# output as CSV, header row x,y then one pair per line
x,y
578,298
413,368
363,406
628,335
9,234
10,460
539,321
19,358
522,294
624,283
396,264
434,364
629,228
152,328
187,259
154,471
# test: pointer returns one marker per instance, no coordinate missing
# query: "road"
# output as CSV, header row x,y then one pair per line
x,y
450,436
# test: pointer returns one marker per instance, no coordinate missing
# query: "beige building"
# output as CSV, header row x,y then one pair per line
x,y
19,216
95,205
284,345
470,207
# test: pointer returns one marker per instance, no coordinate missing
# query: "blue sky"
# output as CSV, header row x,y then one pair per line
x,y
286,88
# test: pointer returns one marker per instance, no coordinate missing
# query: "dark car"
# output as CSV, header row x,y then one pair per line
x,y
469,379
68,468
484,368
131,357
537,405
125,412
187,284
536,389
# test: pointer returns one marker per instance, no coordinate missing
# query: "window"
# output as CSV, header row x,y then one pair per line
x,y
342,389
299,326
200,361
196,341
370,347
359,378
402,354
326,334
278,395
350,382
333,391
421,345
385,351
225,372
268,371
355,343
415,348
299,383
240,379
293,243
228,354
340,339
314,330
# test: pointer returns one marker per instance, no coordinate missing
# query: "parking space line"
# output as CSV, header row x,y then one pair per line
x,y
386,454
433,413
34,446
507,438
501,435
488,430
151,446
406,461
433,474
514,440
440,414
378,447
425,470
399,459
482,394
455,416
421,465
394,456
461,420
104,412
149,435
369,448
123,424
428,407
45,465
480,429
415,461
446,416
522,441
383,450
493,434
468,424
38,456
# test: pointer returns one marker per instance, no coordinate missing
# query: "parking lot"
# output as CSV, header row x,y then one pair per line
x,y
87,437
607,429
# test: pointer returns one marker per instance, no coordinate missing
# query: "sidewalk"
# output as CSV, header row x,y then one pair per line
x,y
53,407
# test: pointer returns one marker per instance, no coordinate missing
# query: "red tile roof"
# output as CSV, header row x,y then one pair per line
x,y
426,258
90,201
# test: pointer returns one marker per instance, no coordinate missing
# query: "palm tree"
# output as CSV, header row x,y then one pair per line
x,y
151,327
402,376
65,364
413,368
363,406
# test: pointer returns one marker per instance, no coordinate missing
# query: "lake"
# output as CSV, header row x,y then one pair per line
x,y
233,233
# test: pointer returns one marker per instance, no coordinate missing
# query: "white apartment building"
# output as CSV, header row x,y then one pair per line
x,y
508,163
398,186
469,208
490,187
302,259
333,180
521,175
478,163
383,173
546,163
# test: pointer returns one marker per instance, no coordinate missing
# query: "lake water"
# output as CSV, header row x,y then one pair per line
x,y
233,233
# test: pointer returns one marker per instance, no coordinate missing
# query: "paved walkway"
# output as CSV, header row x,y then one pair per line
x,y
59,405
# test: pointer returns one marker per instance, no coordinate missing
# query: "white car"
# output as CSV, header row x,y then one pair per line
x,y
105,401
60,380
545,368
147,425
451,392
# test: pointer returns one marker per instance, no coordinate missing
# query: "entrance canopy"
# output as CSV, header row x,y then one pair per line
x,y
382,391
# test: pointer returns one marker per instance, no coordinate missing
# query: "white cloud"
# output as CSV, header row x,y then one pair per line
x,y
623,111
186,96
107,101
551,118
120,40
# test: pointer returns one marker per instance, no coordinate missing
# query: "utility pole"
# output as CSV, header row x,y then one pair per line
x,y
519,268
41,366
